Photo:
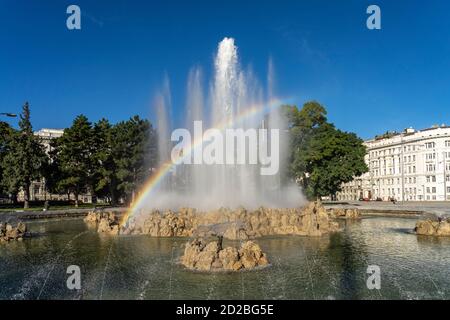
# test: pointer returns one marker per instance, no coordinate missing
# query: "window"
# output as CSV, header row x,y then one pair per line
x,y
429,145
431,167
430,156
448,189
433,190
447,143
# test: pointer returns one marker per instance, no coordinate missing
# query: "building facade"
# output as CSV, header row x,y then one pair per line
x,y
38,190
408,166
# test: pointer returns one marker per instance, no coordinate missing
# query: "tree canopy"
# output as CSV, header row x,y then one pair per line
x,y
25,158
322,157
112,161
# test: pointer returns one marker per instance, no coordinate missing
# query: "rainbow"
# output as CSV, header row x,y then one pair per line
x,y
155,179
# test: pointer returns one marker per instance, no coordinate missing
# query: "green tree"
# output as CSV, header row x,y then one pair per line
x,y
6,133
105,166
134,154
112,161
322,157
74,156
25,159
54,176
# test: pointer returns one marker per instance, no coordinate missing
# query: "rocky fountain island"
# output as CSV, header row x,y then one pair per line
x,y
204,254
252,205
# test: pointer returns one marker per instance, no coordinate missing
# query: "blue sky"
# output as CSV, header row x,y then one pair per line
x,y
370,81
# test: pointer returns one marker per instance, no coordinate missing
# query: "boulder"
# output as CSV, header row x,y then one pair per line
x,y
344,213
21,227
433,228
108,226
251,255
191,252
229,258
92,217
211,257
10,233
105,222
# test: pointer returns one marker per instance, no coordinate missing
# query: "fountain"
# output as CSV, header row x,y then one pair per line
x,y
234,199
235,100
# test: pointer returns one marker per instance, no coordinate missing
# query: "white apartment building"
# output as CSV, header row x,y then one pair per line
x,y
408,166
47,135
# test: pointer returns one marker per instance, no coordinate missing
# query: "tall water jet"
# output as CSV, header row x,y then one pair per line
x,y
197,175
225,82
162,105
236,100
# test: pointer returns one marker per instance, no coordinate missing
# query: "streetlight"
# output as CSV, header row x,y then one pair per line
x,y
7,114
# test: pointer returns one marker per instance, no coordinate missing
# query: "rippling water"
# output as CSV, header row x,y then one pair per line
x,y
141,267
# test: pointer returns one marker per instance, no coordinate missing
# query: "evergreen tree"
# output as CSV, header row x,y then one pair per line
x,y
74,154
105,166
134,154
6,133
25,159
